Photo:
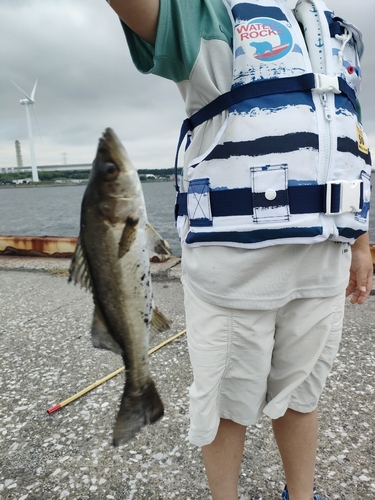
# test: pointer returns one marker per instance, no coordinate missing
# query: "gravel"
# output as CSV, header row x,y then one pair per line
x,y
46,357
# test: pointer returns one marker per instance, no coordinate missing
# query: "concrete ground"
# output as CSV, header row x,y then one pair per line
x,y
46,356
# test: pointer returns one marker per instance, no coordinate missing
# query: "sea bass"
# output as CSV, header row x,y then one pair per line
x,y
112,261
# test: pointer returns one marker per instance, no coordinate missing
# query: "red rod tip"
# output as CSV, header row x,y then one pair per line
x,y
53,409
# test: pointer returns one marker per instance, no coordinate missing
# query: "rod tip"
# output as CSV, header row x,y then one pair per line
x,y
53,409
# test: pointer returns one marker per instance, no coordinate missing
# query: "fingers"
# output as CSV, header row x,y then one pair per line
x,y
351,288
360,293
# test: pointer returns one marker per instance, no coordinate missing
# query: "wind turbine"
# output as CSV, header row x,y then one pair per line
x,y
29,101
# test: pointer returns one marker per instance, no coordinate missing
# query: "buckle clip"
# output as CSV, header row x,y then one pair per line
x,y
325,83
349,194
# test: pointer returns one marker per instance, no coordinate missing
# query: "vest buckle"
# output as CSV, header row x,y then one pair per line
x,y
344,196
325,83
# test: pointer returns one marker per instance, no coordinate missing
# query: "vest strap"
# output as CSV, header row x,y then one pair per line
x,y
330,198
301,83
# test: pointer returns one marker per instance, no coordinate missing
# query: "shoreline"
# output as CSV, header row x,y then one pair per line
x,y
52,184
66,184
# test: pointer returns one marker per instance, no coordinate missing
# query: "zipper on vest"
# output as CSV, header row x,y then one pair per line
x,y
326,136
327,141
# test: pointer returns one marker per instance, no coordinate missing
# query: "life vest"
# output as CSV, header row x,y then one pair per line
x,y
291,162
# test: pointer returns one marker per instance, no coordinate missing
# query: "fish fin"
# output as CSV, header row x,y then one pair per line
x,y
137,409
128,235
100,336
159,322
155,243
79,270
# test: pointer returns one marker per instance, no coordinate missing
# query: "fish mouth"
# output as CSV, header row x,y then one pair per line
x,y
110,142
109,132
111,158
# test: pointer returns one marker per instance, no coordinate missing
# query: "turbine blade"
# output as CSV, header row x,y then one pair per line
x,y
24,93
33,91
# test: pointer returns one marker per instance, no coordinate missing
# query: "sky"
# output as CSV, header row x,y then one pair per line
x,y
87,82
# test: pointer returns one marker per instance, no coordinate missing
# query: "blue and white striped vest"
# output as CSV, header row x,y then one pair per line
x,y
291,162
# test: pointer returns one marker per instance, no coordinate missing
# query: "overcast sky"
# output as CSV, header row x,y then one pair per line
x,y
86,82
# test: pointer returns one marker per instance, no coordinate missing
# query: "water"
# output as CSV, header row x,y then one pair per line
x,y
54,211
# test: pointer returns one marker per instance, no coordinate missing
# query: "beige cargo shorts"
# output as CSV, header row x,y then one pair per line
x,y
249,363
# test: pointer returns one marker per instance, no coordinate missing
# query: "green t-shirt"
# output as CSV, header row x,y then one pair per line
x,y
181,28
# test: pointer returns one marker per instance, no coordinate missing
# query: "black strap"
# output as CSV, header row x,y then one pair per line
x,y
305,199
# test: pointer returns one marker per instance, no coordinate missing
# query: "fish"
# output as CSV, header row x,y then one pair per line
x,y
111,260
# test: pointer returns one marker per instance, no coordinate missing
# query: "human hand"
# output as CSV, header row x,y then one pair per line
x,y
361,271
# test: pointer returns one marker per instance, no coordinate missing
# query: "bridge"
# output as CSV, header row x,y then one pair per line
x,y
47,168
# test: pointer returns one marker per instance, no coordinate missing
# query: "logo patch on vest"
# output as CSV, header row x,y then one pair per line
x,y
362,146
264,38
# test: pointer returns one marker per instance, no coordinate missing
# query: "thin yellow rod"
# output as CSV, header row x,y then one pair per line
x,y
108,377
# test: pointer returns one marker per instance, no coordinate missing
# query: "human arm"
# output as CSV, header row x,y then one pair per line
x,y
361,271
141,16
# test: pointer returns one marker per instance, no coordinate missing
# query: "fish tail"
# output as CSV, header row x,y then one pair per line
x,y
137,410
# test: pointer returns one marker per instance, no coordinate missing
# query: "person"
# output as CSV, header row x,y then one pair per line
x,y
264,286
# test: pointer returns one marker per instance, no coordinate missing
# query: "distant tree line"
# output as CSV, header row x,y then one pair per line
x,y
14,175
64,174
47,176
78,174
158,172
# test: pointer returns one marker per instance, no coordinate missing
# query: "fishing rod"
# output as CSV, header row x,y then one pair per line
x,y
79,394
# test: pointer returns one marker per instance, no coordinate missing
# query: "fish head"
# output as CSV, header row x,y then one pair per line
x,y
114,187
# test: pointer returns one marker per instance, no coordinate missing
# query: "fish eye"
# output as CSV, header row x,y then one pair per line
x,y
109,170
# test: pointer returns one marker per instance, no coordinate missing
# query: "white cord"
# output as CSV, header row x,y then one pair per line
x,y
344,39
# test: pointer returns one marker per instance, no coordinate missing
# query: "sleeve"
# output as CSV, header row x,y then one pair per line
x,y
181,25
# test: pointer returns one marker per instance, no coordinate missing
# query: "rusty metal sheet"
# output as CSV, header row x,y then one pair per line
x,y
38,246
49,246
